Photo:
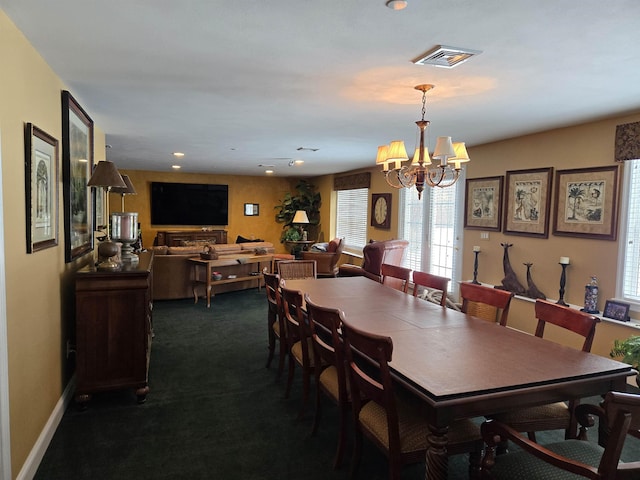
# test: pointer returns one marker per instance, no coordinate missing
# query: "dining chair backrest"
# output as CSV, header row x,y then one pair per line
x,y
485,302
368,356
294,317
571,319
325,324
396,277
271,285
433,282
297,269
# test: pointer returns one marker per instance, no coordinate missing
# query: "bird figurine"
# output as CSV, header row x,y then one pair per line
x,y
532,290
510,281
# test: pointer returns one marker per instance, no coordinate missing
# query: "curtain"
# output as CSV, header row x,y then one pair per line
x,y
627,145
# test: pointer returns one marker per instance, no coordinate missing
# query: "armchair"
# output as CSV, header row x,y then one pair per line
x,y
375,254
327,262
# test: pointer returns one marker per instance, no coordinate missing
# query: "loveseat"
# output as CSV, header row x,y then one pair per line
x,y
173,273
375,254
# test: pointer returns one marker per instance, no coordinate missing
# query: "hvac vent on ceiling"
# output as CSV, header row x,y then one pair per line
x,y
446,57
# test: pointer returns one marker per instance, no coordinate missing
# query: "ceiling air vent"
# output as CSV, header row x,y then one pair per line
x,y
446,57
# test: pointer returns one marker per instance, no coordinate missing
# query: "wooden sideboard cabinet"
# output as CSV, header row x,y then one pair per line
x,y
113,329
174,238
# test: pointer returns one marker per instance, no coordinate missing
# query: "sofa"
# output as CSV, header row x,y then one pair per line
x,y
173,273
374,255
326,256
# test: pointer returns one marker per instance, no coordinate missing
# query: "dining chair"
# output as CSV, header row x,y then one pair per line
x,y
620,416
485,302
558,415
331,378
299,343
431,282
297,269
393,418
274,319
396,277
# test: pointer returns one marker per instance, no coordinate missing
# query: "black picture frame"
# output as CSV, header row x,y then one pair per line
x,y
251,209
381,210
41,188
77,161
616,310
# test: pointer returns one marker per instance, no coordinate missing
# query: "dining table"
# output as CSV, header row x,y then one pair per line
x,y
462,366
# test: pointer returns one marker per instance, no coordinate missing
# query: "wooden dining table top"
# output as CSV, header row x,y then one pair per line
x,y
460,365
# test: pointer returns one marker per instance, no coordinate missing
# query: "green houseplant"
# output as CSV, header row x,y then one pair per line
x,y
628,351
306,198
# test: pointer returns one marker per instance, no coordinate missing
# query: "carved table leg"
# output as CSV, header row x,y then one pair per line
x,y
437,461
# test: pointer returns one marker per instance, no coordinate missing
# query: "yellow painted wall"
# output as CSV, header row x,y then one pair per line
x,y
39,318
588,145
265,191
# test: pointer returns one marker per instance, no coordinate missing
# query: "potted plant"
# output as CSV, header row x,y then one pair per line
x,y
307,199
628,351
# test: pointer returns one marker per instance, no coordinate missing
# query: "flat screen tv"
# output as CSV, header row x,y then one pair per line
x,y
189,204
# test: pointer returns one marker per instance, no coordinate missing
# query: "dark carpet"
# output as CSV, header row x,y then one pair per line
x,y
213,411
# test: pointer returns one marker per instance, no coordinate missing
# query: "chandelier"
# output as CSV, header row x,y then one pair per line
x,y
421,172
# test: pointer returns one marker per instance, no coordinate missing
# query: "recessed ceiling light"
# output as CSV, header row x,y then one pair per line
x,y
176,167
268,172
396,4
178,154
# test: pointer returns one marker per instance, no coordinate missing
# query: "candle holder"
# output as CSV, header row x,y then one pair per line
x,y
475,268
563,279
124,226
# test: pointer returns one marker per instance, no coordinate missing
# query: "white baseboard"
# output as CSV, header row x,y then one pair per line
x,y
31,464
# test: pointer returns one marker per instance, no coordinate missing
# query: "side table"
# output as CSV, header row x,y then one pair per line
x,y
297,246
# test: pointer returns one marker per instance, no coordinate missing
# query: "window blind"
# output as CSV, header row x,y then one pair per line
x,y
351,217
631,241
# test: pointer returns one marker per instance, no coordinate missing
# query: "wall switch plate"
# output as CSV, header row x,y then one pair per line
x,y
484,235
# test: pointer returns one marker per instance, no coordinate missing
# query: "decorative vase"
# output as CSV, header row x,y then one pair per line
x,y
591,296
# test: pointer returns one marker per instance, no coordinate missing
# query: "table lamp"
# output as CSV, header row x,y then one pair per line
x,y
106,175
128,189
300,218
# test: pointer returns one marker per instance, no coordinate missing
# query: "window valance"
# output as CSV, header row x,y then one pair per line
x,y
353,181
627,145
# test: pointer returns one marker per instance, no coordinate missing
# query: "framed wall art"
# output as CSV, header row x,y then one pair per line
x,y
251,209
381,210
483,203
586,202
616,310
41,188
527,202
99,217
77,159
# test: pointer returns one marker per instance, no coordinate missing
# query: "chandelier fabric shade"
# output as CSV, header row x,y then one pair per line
x,y
420,171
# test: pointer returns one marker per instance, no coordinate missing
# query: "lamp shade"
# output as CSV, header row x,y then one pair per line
x,y
106,175
426,160
444,148
461,153
128,189
300,217
383,153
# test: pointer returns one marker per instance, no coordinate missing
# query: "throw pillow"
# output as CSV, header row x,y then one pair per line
x,y
242,239
333,245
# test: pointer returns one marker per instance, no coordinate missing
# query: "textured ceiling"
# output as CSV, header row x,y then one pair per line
x,y
236,84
